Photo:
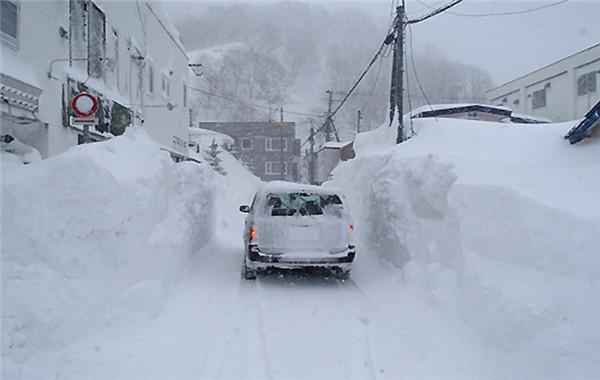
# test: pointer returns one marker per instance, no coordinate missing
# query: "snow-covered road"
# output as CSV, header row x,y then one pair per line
x,y
288,325
494,288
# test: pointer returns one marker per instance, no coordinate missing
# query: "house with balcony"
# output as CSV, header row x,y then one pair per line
x,y
127,54
270,150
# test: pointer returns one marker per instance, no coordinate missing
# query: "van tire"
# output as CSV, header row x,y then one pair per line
x,y
248,274
342,274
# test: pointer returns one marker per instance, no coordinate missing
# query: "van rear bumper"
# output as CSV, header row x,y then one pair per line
x,y
258,260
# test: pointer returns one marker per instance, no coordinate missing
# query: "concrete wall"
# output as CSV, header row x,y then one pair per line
x,y
559,81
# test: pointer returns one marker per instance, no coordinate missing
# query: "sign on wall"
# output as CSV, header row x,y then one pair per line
x,y
110,116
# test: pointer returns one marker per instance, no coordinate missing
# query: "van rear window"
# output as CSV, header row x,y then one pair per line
x,y
288,204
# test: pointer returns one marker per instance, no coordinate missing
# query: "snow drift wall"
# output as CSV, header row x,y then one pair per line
x,y
479,227
401,207
96,234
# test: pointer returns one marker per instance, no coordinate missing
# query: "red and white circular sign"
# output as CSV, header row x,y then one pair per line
x,y
84,104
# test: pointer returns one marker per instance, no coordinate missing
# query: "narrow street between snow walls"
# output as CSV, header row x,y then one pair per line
x,y
470,264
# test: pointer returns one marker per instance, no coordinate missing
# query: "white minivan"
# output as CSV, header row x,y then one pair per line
x,y
291,225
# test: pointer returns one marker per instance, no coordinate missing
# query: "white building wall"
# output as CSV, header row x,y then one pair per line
x,y
135,24
559,80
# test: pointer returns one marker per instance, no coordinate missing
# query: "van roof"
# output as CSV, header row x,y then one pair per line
x,y
289,187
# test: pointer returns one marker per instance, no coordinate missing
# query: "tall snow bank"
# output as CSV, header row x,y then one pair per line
x,y
95,235
401,207
496,225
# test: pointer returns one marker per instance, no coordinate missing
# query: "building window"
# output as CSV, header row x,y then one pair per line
x,y
9,25
96,41
166,86
274,144
274,168
185,95
150,77
116,53
586,84
246,143
538,99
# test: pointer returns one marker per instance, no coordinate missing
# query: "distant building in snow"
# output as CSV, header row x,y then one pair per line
x,y
473,111
126,53
328,157
263,146
564,90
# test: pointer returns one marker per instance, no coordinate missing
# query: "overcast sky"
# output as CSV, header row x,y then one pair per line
x,y
505,46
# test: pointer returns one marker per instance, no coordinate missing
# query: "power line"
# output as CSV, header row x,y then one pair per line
x,y
509,13
252,105
414,66
410,107
435,12
360,78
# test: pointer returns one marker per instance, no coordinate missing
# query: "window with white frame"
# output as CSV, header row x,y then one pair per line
x,y
150,65
116,55
96,41
246,143
538,99
9,25
586,84
185,94
274,167
165,85
274,144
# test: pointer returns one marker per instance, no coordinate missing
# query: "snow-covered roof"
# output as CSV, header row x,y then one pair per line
x,y
520,117
157,8
283,186
458,107
216,51
202,136
335,145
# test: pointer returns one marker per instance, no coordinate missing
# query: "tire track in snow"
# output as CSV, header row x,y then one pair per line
x,y
342,285
261,331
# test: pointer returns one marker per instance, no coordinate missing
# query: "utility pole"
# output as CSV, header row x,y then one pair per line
x,y
281,171
311,161
358,118
397,87
328,116
328,125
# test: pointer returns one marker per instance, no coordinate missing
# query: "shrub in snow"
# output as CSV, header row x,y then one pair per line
x,y
213,158
96,234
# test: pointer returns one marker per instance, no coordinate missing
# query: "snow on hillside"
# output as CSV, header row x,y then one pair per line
x,y
497,226
96,236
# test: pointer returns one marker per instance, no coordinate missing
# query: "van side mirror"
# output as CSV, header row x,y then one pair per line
x,y
245,208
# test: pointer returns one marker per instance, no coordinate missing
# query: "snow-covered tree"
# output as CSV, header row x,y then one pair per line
x,y
213,158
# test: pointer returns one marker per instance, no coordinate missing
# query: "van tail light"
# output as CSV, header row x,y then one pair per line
x,y
252,233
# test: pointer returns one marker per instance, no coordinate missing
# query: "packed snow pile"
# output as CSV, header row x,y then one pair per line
x,y
95,236
498,226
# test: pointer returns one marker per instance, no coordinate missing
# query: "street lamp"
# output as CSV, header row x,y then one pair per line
x,y
197,69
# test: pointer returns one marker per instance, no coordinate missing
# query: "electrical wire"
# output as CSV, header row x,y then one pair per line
x,y
252,105
414,66
410,107
509,13
360,78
